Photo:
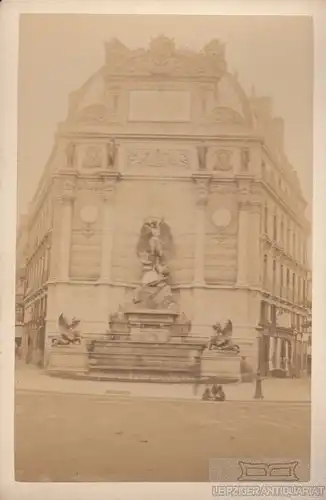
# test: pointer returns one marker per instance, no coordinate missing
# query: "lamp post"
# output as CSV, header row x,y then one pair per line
x,y
258,388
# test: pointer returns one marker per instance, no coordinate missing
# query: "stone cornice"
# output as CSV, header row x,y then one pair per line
x,y
66,131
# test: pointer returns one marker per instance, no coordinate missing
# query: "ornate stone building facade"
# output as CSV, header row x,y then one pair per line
x,y
21,241
169,134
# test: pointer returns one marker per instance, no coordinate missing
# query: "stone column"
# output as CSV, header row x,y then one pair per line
x,y
286,355
270,354
202,180
244,206
107,191
202,186
243,234
295,356
275,353
67,199
254,234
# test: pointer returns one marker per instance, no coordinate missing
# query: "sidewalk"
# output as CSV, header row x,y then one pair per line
x,y
30,378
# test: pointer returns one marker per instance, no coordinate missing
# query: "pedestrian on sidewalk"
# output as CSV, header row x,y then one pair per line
x,y
246,370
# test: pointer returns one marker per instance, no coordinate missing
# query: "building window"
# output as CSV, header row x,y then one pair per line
x,y
263,313
282,232
298,323
265,271
274,275
304,300
281,280
287,282
293,287
304,256
294,245
273,316
266,219
275,227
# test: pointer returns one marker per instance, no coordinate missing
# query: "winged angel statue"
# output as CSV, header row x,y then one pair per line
x,y
154,249
155,245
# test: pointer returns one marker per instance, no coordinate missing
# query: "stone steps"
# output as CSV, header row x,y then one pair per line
x,y
142,357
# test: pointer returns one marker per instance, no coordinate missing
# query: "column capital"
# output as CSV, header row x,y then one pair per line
x,y
244,195
202,181
255,207
68,192
244,204
108,181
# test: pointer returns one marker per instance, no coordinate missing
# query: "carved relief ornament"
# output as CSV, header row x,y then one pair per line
x,y
162,57
222,114
68,190
111,154
108,185
201,155
202,189
100,112
92,157
89,215
71,155
94,113
157,158
222,161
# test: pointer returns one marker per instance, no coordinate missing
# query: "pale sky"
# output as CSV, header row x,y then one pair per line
x,y
58,53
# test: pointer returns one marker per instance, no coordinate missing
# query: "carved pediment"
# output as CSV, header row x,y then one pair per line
x,y
162,57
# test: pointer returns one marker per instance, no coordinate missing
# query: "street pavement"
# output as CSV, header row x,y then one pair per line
x,y
65,437
30,378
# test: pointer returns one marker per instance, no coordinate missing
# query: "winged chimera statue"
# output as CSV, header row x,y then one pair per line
x,y
155,246
68,334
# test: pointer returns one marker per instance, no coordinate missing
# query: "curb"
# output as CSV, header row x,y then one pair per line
x,y
114,395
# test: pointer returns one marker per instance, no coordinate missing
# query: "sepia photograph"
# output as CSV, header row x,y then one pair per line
x,y
163,324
